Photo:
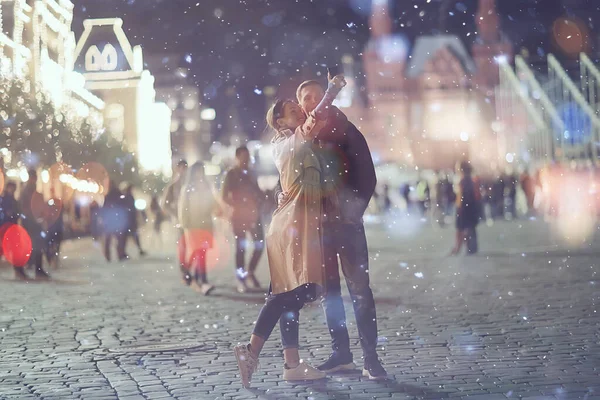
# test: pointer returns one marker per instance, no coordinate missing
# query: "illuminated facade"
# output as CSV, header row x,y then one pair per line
x,y
37,44
435,106
114,70
191,123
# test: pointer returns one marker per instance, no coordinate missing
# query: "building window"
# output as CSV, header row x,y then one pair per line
x,y
172,103
190,124
174,125
115,120
189,103
7,12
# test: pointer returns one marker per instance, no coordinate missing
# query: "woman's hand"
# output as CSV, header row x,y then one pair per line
x,y
281,198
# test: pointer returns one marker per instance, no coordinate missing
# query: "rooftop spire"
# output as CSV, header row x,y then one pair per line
x,y
487,21
380,22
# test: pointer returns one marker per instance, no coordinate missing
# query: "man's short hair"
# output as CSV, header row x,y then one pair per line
x,y
11,184
182,163
32,173
306,84
240,150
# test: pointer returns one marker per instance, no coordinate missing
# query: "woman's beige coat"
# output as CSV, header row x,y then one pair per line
x,y
294,243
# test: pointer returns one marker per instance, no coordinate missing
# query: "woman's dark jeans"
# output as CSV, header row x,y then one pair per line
x,y
284,307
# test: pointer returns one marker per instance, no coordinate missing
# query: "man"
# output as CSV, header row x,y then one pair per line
x,y
345,150
168,203
132,218
55,231
242,193
9,215
29,199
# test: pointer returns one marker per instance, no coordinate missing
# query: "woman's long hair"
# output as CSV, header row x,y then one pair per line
x,y
196,176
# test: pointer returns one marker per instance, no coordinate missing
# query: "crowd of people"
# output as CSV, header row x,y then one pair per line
x,y
44,221
504,197
44,225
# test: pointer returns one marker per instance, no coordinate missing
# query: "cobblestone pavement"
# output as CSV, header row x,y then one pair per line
x,y
517,321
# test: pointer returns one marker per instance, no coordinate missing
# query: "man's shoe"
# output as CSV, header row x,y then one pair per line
x,y
247,363
374,370
338,362
303,372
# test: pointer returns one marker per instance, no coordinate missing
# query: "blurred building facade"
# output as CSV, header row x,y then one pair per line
x,y
432,103
37,45
114,71
191,122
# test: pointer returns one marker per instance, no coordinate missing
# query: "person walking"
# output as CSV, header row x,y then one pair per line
x,y
348,156
405,192
423,196
159,218
114,221
55,231
528,186
132,229
95,229
468,210
9,215
294,241
168,203
242,193
197,204
31,219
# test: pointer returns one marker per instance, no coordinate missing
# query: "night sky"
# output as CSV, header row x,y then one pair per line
x,y
234,48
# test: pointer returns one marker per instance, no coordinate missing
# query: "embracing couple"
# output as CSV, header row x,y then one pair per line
x,y
327,178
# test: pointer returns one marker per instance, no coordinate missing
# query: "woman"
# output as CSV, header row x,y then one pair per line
x,y
294,245
114,221
467,210
195,210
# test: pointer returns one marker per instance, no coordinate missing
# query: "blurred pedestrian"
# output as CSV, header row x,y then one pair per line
x,y
242,193
32,219
169,203
55,231
467,210
95,230
423,196
132,229
528,187
9,206
387,202
511,195
197,205
406,196
159,218
9,215
497,197
114,221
